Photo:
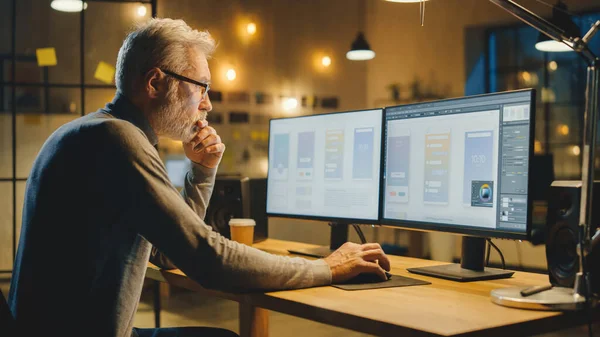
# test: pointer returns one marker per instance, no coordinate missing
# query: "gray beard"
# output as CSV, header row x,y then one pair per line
x,y
170,121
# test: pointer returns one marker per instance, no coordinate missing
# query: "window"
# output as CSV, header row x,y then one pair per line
x,y
47,97
512,62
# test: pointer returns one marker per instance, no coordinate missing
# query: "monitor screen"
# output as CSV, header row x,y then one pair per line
x,y
177,168
460,165
326,166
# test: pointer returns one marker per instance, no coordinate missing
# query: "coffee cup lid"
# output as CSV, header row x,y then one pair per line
x,y
241,222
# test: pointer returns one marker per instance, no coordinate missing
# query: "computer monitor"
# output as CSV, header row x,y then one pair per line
x,y
177,167
326,167
461,166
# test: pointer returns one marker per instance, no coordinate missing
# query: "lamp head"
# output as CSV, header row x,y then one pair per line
x,y
562,19
68,5
360,49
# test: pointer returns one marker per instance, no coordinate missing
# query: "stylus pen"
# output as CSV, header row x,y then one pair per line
x,y
535,289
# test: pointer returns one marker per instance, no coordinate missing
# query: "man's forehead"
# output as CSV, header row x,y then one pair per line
x,y
200,69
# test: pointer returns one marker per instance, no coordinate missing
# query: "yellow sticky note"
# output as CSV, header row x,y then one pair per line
x,y
33,119
255,135
264,136
46,57
237,135
105,73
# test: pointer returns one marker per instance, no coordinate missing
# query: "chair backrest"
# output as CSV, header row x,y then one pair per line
x,y
7,322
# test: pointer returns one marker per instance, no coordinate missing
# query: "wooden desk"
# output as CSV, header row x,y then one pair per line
x,y
444,308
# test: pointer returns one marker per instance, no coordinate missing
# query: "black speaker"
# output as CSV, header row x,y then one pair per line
x,y
543,166
237,197
258,208
562,234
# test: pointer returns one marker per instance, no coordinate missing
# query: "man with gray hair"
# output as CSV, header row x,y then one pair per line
x,y
98,197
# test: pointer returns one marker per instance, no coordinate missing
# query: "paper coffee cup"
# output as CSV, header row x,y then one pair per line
x,y
242,230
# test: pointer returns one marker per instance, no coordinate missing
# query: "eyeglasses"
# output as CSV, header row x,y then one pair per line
x,y
205,86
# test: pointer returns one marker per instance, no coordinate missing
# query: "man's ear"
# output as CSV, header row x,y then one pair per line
x,y
155,83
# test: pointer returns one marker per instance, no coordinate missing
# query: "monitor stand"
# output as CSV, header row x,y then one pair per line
x,y
471,267
339,236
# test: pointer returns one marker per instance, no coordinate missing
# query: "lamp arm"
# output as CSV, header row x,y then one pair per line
x,y
554,32
590,34
580,45
534,20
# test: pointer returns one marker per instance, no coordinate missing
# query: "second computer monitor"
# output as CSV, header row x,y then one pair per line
x,y
460,165
326,167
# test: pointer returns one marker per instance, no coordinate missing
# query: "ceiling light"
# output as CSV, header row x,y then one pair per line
x,y
563,129
141,11
68,5
537,147
251,28
326,61
231,74
290,103
264,165
360,49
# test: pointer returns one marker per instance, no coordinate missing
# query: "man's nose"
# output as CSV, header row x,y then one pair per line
x,y
205,104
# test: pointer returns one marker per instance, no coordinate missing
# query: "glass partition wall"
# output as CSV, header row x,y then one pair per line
x,y
54,67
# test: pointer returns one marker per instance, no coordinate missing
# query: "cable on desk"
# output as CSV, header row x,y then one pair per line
x,y
487,255
519,255
363,240
499,252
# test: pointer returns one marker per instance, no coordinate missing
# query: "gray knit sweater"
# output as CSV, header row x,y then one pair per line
x,y
97,199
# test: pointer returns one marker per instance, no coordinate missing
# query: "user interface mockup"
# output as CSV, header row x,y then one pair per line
x,y
325,166
459,163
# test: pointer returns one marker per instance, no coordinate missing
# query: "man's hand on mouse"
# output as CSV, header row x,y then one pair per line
x,y
206,147
352,259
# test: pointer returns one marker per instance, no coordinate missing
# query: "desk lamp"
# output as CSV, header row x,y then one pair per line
x,y
560,298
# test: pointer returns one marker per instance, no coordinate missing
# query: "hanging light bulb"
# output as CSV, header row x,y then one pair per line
x,y
231,74
563,130
537,147
68,5
562,20
251,28
289,103
360,49
406,1
326,61
141,11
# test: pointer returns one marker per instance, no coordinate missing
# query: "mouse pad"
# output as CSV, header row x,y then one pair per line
x,y
395,281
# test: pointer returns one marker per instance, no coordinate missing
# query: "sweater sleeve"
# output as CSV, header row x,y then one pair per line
x,y
155,210
199,183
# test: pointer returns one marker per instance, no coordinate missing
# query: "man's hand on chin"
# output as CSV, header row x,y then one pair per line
x,y
206,147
